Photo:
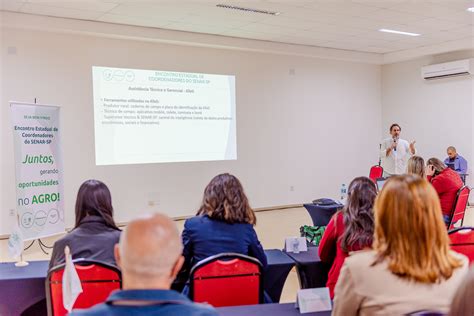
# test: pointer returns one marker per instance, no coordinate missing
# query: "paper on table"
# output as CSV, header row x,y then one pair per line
x,y
313,300
295,244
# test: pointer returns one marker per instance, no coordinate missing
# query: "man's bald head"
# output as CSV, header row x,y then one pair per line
x,y
149,248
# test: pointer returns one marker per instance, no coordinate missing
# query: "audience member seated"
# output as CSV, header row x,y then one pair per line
x,y
446,183
224,223
416,165
463,302
95,233
411,267
455,161
350,229
149,255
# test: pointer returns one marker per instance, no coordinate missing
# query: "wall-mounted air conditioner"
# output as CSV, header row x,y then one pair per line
x,y
453,68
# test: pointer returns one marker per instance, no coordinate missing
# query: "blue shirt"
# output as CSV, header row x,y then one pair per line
x,y
204,237
159,302
460,164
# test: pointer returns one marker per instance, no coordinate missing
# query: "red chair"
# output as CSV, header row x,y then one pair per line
x,y
376,172
460,205
98,280
462,241
227,279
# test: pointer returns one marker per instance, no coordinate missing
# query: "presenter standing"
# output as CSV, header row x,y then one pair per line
x,y
395,152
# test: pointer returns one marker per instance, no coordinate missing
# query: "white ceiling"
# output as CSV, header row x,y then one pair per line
x,y
341,24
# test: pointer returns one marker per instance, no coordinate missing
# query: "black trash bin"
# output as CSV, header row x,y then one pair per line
x,y
321,210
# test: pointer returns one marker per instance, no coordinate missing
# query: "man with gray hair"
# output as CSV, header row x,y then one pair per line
x,y
149,255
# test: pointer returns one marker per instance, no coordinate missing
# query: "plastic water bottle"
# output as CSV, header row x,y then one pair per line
x,y
343,193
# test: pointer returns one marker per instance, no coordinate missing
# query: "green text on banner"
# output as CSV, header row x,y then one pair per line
x,y
38,169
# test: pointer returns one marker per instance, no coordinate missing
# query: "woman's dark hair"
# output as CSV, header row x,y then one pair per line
x,y
93,198
224,199
358,214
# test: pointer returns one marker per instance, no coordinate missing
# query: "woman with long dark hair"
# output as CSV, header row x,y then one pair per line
x,y
350,229
223,223
95,232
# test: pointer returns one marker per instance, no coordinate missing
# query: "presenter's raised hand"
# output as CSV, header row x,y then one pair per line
x,y
412,147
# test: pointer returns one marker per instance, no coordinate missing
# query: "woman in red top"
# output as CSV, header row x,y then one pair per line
x,y
446,182
349,230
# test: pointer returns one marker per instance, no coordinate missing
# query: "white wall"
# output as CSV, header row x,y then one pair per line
x,y
4,150
435,113
312,130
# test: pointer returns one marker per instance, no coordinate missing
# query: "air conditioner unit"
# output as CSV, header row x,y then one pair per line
x,y
453,68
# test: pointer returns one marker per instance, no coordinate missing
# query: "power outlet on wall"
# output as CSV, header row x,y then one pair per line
x,y
292,188
11,212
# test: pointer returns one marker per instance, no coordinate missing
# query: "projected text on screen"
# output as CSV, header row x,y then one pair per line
x,y
147,116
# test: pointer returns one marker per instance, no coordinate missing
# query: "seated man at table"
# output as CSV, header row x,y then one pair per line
x,y
455,161
149,254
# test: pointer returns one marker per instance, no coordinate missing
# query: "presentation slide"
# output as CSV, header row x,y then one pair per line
x,y
149,116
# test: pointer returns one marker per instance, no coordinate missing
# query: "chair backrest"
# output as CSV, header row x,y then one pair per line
x,y
227,279
459,207
98,280
462,241
375,172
